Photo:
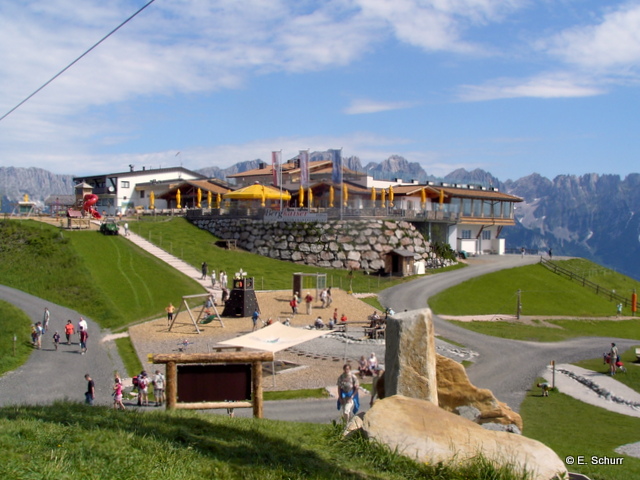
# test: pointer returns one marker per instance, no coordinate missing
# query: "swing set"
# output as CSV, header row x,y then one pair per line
x,y
204,315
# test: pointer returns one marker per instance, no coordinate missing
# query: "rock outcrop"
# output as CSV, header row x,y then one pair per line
x,y
421,430
455,393
410,356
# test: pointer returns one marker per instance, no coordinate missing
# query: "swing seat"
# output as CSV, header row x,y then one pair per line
x,y
209,319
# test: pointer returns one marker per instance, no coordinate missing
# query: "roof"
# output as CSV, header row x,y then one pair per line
x,y
403,253
147,171
289,168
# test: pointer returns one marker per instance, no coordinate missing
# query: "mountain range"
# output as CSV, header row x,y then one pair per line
x,y
591,216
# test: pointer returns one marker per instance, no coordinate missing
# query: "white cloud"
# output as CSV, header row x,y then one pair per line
x,y
363,105
614,43
543,86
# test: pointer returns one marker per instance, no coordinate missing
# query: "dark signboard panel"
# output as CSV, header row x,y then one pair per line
x,y
214,383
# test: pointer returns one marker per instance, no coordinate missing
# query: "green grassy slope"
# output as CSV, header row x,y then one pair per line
x,y
541,293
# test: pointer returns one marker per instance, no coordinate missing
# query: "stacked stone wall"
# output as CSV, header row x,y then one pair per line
x,y
351,244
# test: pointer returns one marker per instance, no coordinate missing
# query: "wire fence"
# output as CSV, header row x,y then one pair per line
x,y
576,277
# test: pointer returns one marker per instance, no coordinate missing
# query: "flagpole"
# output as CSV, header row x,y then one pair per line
x,y
280,178
341,186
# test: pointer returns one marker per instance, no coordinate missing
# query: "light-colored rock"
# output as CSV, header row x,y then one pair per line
x,y
421,430
410,356
456,391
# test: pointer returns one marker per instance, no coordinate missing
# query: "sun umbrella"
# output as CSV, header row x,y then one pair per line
x,y
255,192
310,198
199,197
263,200
152,201
301,196
441,201
373,195
423,196
218,199
178,197
209,195
331,195
391,196
383,197
345,194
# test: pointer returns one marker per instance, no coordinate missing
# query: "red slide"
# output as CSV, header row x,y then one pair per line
x,y
90,200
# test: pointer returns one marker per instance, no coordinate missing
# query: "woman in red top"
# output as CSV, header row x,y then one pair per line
x,y
68,331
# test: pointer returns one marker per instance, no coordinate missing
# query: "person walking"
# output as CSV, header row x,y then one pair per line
x,y
90,394
348,399
254,319
45,320
39,335
56,340
143,389
613,359
126,229
84,335
69,330
158,388
117,394
308,299
170,310
204,268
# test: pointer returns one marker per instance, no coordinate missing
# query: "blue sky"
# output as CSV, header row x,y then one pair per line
x,y
512,86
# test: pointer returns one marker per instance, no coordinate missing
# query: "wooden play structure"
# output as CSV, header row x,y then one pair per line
x,y
214,380
207,313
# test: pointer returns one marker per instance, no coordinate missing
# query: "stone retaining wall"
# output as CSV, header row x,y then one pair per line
x,y
350,244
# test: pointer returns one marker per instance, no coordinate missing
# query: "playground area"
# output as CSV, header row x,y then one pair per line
x,y
318,370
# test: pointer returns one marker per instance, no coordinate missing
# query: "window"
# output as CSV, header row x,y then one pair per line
x,y
486,234
141,193
466,234
124,184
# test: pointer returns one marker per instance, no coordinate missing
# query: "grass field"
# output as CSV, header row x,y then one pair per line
x,y
562,329
72,441
193,245
541,293
14,324
573,428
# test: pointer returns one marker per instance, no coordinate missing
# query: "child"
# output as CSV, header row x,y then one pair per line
x,y
545,388
56,340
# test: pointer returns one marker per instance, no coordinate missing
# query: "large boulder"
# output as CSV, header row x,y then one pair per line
x,y
410,356
455,392
421,430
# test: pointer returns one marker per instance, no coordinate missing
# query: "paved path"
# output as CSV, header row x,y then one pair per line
x,y
506,367
51,375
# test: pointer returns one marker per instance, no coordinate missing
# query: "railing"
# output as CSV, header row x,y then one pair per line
x,y
598,289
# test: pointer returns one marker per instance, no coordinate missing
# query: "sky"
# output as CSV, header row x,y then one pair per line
x,y
513,87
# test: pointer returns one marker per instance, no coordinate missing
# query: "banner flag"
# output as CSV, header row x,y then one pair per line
x,y
276,161
336,159
304,168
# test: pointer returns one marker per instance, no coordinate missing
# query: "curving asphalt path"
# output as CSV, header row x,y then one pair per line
x,y
51,375
506,367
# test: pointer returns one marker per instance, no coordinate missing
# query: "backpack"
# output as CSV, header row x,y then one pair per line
x,y
134,381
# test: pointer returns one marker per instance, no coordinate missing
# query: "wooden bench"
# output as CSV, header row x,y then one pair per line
x,y
342,326
228,244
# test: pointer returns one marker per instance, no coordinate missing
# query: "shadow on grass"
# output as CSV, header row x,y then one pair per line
x,y
241,443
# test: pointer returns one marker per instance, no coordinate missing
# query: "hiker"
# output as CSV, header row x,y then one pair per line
x,y
69,330
117,394
90,394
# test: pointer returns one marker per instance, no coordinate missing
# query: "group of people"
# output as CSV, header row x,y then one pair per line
x,y
368,366
141,386
325,299
38,329
222,279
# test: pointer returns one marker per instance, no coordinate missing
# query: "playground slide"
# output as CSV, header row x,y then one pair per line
x,y
90,200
